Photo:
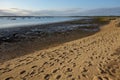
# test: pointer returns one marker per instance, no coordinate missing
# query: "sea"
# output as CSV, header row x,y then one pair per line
x,y
19,21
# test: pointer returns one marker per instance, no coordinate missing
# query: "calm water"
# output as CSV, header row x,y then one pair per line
x,y
6,22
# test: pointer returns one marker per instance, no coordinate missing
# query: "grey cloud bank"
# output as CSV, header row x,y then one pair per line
x,y
69,12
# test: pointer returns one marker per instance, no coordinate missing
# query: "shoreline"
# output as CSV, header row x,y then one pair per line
x,y
91,58
22,41
14,47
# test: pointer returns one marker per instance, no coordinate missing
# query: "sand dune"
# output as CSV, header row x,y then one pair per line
x,y
96,57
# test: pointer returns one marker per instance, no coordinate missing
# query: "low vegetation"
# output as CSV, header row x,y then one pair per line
x,y
93,20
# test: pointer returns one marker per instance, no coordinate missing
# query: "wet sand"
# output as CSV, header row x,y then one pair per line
x,y
95,57
16,42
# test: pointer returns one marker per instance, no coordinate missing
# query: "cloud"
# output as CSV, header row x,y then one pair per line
x,y
101,12
14,12
22,12
64,12
55,12
6,13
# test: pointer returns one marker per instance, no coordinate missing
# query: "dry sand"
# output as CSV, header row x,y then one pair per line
x,y
96,57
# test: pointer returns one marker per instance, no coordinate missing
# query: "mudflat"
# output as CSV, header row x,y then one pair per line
x,y
20,41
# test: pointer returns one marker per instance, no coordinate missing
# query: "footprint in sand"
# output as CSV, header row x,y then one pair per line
x,y
69,76
10,78
84,70
54,71
40,70
69,70
74,64
102,71
78,76
34,66
22,72
58,77
47,76
73,79
33,72
100,78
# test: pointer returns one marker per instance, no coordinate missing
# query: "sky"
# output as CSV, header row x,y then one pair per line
x,y
56,5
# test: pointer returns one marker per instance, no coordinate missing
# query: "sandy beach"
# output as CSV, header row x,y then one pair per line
x,y
91,57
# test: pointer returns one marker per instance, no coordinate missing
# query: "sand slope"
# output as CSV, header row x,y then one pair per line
x,y
90,58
